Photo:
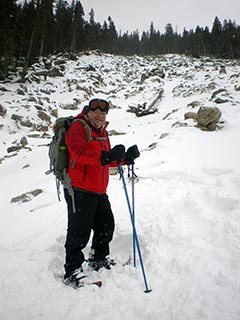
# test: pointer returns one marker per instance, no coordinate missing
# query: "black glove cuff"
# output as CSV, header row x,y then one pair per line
x,y
105,159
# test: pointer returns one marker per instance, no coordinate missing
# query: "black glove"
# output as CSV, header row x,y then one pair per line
x,y
131,154
117,153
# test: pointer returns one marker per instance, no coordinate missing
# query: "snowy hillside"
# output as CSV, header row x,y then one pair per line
x,y
187,192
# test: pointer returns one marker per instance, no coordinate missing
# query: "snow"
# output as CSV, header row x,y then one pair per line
x,y
187,203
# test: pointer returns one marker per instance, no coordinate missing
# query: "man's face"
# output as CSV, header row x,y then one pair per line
x,y
98,117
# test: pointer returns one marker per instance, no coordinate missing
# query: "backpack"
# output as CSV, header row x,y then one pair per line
x,y
59,155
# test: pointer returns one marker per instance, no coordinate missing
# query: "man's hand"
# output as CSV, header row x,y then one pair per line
x,y
117,153
131,154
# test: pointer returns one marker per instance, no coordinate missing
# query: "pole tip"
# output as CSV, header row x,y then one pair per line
x,y
148,290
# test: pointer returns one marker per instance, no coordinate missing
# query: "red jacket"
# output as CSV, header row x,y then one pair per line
x,y
85,168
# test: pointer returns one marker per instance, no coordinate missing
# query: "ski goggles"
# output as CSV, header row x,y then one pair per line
x,y
99,104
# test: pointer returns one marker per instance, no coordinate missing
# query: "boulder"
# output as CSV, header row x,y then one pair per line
x,y
206,117
25,197
3,111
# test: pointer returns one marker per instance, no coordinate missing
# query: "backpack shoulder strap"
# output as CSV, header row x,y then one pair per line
x,y
88,131
86,126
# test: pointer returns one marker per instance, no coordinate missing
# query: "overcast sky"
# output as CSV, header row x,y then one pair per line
x,y
130,15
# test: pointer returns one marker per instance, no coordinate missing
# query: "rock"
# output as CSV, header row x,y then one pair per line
x,y
43,116
54,112
3,89
190,115
194,104
169,114
215,93
222,70
69,106
26,123
16,117
163,135
59,62
25,197
212,85
24,88
206,117
21,92
220,100
152,145
14,148
26,166
54,72
159,72
179,124
90,68
41,127
3,111
43,135
23,141
115,133
47,91
73,56
32,99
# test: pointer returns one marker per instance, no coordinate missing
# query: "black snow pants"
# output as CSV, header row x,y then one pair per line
x,y
93,212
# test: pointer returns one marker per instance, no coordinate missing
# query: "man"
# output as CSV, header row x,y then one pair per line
x,y
88,169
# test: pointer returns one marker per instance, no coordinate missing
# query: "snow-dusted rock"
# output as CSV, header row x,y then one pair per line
x,y
207,117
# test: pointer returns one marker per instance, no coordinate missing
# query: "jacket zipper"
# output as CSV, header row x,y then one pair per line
x,y
104,145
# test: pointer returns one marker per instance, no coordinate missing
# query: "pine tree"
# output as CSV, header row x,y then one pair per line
x,y
63,26
46,22
216,35
93,33
169,37
77,26
32,43
230,36
199,45
145,43
8,11
112,36
152,40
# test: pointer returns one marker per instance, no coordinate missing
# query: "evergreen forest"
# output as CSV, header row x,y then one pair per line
x,y
37,28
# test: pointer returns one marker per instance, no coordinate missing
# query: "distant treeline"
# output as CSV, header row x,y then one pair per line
x,y
42,27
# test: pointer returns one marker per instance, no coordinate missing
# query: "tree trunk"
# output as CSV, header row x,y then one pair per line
x,y
28,54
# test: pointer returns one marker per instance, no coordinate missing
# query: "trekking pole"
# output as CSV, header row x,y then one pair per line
x,y
133,215
134,229
133,209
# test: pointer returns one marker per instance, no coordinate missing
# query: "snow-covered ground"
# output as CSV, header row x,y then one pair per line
x,y
187,196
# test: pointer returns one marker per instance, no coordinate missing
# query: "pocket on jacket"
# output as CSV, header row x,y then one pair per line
x,y
85,169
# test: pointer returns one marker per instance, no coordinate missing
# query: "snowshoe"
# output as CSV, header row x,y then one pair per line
x,y
106,263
